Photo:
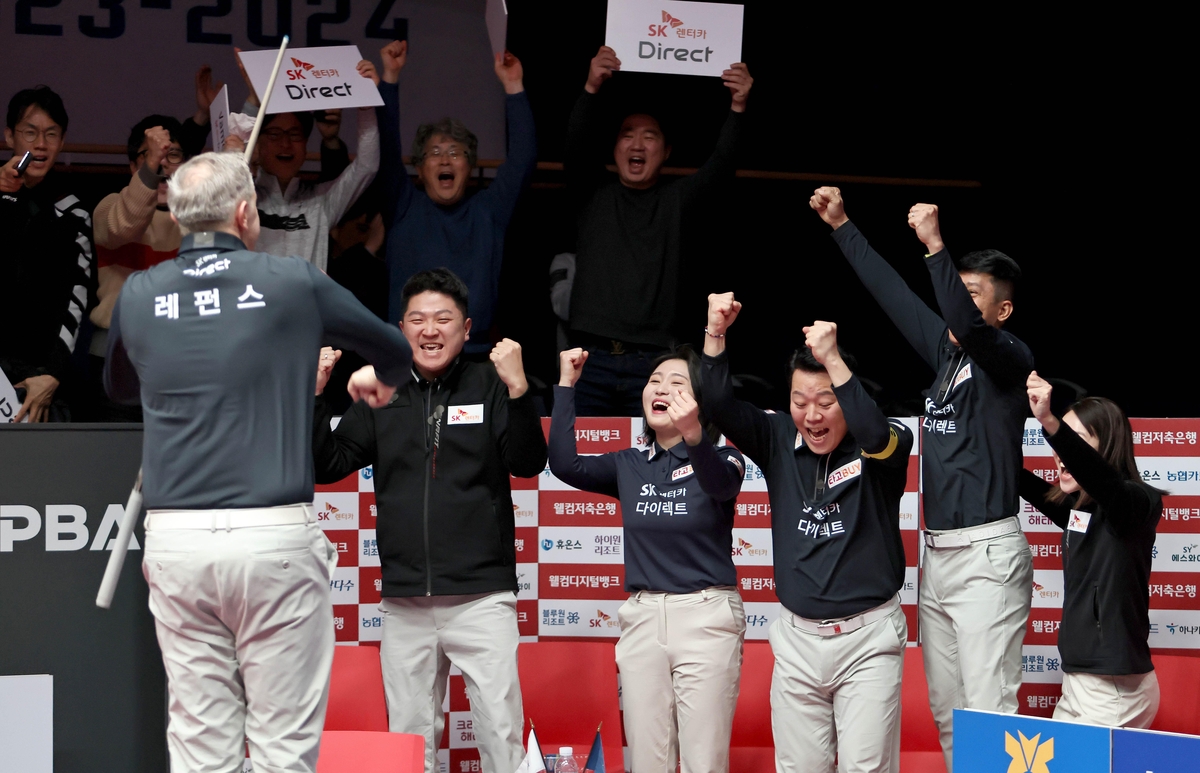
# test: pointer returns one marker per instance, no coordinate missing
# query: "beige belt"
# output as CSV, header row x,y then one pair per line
x,y
960,538
227,520
845,625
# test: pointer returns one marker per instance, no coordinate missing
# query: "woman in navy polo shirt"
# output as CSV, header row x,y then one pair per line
x,y
1108,516
680,651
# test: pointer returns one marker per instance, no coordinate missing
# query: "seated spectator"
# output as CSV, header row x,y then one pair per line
x,y
296,215
46,263
628,262
439,225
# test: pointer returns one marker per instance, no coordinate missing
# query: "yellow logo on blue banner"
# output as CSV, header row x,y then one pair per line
x,y
1028,756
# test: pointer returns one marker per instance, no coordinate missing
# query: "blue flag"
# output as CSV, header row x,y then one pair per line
x,y
595,760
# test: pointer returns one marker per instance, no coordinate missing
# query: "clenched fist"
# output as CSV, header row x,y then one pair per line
x,y
570,366
923,218
722,311
329,357
506,356
827,202
821,338
365,385
394,54
1039,391
684,413
158,145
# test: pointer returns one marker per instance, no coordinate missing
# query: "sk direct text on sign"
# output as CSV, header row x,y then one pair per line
x,y
312,79
674,37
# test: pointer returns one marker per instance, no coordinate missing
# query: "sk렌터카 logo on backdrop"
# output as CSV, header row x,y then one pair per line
x,y
1028,755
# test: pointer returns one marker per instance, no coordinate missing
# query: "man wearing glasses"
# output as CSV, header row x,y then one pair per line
x,y
46,260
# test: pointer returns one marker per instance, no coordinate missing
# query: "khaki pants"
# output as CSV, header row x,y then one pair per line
x,y
680,656
422,636
1128,700
973,608
838,695
246,629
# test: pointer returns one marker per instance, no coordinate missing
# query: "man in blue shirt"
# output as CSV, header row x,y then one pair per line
x,y
439,225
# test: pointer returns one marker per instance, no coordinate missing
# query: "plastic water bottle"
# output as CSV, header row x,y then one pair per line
x,y
566,761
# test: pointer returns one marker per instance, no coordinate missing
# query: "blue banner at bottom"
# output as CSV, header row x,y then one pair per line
x,y
1007,743
1140,751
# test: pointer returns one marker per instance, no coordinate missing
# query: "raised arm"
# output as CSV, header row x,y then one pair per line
x,y
397,188
721,165
1001,357
521,158
597,474
747,426
350,325
354,179
122,218
584,163
522,444
720,473
920,326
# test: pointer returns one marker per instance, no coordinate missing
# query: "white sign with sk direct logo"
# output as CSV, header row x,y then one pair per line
x,y
312,79
674,37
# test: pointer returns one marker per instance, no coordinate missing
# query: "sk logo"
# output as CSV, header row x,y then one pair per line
x,y
743,543
1028,756
668,18
297,63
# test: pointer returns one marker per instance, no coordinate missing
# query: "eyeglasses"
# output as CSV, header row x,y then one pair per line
x,y
279,135
453,153
53,135
174,155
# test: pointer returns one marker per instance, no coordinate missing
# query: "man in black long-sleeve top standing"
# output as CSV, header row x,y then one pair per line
x,y
628,262
977,569
219,345
835,469
443,451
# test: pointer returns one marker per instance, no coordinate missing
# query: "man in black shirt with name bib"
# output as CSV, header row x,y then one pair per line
x,y
977,571
836,469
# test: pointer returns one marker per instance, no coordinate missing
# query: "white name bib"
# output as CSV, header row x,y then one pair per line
x,y
1079,521
465,414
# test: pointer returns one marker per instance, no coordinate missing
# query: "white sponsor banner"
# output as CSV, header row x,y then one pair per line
x,y
312,79
1175,629
1047,587
579,617
461,730
525,507
336,509
752,547
908,511
753,480
1033,520
368,548
343,586
908,591
1178,475
1032,441
674,37
1041,663
527,582
1176,553
759,617
581,545
366,479
370,623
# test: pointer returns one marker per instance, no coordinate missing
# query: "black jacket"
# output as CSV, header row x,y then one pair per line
x,y
443,452
975,411
835,519
1106,561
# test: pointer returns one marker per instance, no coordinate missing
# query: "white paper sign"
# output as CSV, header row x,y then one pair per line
x,y
674,37
312,79
218,117
9,404
497,25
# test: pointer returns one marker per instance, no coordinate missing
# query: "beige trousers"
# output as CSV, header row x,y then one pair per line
x,y
422,636
246,630
680,656
1128,700
973,608
838,695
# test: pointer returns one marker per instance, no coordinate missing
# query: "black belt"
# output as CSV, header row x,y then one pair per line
x,y
613,345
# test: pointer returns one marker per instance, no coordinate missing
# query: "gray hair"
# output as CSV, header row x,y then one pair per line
x,y
204,192
452,128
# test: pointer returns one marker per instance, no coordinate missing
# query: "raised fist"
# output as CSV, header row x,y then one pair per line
x,y
506,356
821,338
737,79
722,311
394,54
604,64
684,413
158,145
570,366
329,357
923,218
365,385
1039,391
827,202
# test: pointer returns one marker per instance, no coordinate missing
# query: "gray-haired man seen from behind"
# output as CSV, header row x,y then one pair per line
x,y
221,344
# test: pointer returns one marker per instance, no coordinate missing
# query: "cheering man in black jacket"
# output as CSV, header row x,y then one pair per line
x,y
443,450
977,570
835,469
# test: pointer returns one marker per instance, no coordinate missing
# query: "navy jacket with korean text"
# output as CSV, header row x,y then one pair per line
x,y
1107,549
677,504
975,412
220,344
443,451
835,518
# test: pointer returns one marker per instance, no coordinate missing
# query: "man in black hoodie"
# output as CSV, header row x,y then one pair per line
x,y
443,450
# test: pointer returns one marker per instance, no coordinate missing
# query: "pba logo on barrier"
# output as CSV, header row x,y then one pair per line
x,y
1028,755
